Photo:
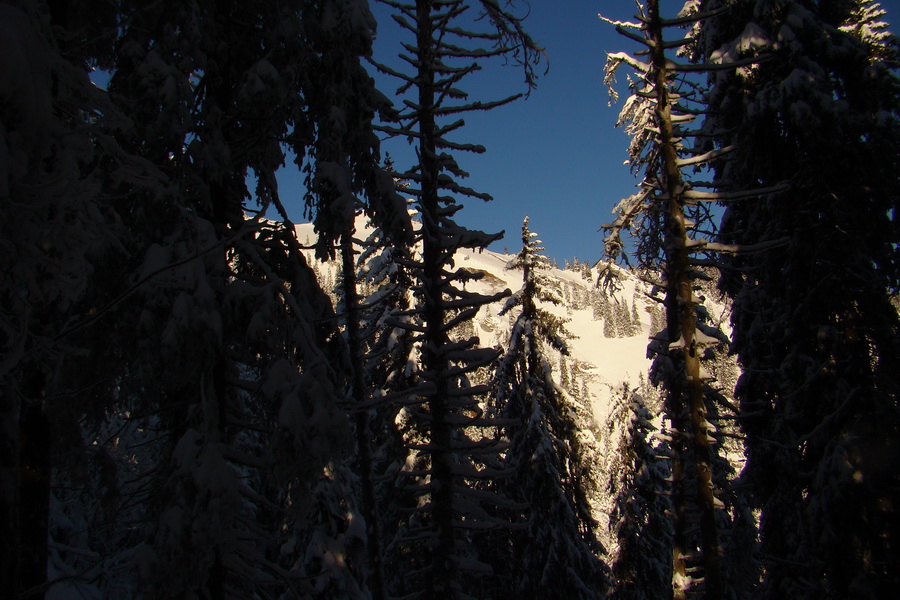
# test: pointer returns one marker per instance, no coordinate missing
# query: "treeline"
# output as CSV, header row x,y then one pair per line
x,y
186,413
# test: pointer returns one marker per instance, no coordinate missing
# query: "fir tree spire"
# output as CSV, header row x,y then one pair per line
x,y
546,451
445,406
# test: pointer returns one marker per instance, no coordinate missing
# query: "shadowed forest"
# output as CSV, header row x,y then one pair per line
x,y
197,402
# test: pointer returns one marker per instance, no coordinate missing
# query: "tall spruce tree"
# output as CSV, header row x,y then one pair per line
x,y
349,182
445,49
668,217
814,329
235,81
198,368
546,452
387,338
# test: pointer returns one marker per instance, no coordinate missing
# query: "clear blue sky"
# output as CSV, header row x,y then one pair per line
x,y
555,156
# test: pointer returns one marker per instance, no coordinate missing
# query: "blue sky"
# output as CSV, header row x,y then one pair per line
x,y
555,156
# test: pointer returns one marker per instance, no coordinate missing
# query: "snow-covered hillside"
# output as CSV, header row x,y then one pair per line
x,y
598,362
611,329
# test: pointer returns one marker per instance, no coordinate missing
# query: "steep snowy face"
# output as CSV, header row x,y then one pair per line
x,y
612,328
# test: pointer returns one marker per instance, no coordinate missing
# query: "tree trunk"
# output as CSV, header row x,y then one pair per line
x,y
686,395
434,342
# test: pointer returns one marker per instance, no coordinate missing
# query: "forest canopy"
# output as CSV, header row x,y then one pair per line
x,y
199,401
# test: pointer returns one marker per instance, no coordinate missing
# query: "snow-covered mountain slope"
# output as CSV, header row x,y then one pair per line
x,y
611,329
609,345
600,363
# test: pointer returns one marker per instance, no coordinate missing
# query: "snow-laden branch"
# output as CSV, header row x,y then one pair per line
x,y
708,67
704,246
628,24
218,245
640,39
623,57
706,157
698,196
693,18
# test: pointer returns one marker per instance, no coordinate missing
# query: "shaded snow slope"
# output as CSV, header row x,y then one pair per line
x,y
596,362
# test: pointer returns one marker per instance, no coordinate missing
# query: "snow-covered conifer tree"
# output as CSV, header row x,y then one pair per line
x,y
348,182
609,323
814,329
387,334
622,319
213,91
210,341
640,484
636,327
667,216
446,47
545,451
